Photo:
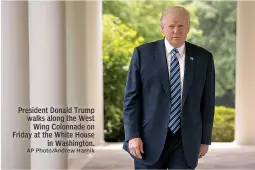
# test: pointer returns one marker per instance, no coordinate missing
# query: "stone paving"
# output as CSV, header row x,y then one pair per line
x,y
220,156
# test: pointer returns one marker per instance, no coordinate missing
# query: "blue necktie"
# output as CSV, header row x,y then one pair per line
x,y
175,90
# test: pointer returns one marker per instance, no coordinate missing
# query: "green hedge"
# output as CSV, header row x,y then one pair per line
x,y
223,127
118,43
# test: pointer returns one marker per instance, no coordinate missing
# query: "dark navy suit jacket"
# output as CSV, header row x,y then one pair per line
x,y
147,100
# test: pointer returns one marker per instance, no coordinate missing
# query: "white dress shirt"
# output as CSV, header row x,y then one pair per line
x,y
181,59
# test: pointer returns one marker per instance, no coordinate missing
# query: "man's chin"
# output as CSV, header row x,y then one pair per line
x,y
176,43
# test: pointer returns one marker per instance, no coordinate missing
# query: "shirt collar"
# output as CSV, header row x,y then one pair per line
x,y
169,48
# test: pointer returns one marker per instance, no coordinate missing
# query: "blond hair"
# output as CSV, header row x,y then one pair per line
x,y
177,10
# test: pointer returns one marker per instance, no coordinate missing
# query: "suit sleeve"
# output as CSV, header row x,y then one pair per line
x,y
132,98
208,103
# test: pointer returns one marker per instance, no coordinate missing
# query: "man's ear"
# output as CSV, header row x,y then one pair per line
x,y
188,26
162,27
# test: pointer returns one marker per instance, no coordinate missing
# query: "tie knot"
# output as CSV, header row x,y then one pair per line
x,y
174,51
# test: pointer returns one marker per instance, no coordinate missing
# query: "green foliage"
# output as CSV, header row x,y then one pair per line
x,y
118,43
218,22
223,128
144,16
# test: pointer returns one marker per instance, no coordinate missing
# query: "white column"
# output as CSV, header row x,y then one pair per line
x,y
15,84
94,64
47,72
245,79
76,67
75,37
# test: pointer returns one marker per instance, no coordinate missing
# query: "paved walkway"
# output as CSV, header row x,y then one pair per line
x,y
220,156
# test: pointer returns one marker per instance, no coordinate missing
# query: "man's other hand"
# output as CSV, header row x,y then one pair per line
x,y
136,147
203,150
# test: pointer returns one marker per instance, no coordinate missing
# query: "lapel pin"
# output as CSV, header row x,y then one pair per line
x,y
191,58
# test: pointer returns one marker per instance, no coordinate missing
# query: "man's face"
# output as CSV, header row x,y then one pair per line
x,y
175,28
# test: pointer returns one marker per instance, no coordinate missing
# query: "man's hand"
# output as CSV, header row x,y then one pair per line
x,y
203,150
136,147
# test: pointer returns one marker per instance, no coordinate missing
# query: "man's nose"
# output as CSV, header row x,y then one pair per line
x,y
176,29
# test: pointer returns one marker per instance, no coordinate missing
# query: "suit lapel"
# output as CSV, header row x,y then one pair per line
x,y
161,63
189,71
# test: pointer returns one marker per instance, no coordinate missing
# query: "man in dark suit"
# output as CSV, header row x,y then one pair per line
x,y
169,99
